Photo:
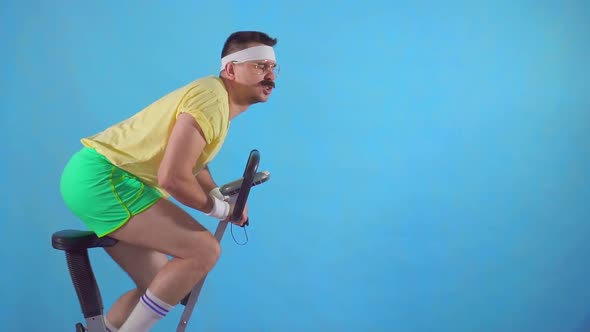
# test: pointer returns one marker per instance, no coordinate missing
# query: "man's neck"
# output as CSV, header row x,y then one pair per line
x,y
236,109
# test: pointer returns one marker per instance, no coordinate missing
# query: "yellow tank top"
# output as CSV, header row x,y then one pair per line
x,y
137,144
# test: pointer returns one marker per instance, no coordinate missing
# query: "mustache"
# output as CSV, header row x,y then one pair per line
x,y
268,83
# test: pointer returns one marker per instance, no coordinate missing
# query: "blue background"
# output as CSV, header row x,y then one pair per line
x,y
429,161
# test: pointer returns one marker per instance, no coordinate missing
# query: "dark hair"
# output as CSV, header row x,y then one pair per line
x,y
240,40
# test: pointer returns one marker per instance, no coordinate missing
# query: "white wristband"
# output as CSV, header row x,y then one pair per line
x,y
220,209
215,192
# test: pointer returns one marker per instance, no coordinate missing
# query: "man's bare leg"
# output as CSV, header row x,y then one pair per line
x,y
168,229
141,265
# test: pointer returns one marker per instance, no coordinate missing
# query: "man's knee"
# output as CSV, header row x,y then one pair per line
x,y
213,253
206,253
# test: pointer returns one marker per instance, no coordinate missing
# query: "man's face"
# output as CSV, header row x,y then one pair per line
x,y
256,79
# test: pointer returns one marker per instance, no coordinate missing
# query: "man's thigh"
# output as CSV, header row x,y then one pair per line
x,y
167,229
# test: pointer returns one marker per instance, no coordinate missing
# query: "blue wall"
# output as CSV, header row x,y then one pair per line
x,y
429,162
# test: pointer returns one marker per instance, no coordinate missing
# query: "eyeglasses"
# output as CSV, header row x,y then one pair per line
x,y
263,67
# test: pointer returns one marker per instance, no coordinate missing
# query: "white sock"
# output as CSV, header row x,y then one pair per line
x,y
110,326
147,312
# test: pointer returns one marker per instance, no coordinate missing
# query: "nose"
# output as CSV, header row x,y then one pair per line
x,y
270,75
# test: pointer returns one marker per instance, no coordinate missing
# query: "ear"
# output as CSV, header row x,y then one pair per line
x,y
230,71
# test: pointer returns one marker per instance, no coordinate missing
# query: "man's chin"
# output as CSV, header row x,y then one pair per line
x,y
258,99
263,97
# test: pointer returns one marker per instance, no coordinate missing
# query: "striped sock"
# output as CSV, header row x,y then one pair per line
x,y
147,312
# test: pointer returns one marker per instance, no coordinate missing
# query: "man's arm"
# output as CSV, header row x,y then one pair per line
x,y
205,179
175,175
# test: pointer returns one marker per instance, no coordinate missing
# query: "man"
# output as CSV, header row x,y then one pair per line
x,y
117,184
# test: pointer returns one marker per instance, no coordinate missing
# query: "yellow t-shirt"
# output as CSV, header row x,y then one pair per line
x,y
137,144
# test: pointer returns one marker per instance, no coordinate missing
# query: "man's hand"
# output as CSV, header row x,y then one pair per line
x,y
232,205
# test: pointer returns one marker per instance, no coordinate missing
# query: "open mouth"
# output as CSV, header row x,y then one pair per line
x,y
268,84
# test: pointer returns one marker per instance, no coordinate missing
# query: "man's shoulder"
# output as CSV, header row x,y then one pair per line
x,y
208,90
211,83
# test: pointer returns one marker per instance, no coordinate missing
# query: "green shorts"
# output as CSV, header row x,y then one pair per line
x,y
103,196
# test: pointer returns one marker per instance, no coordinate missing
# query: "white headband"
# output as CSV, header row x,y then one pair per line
x,y
252,53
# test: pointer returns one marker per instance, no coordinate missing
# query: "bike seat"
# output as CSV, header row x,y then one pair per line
x,y
71,239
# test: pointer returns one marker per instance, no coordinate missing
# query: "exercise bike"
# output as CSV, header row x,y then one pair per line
x,y
76,243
